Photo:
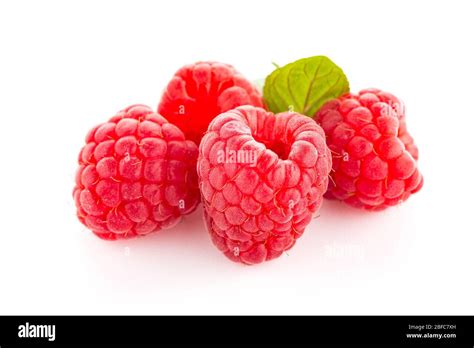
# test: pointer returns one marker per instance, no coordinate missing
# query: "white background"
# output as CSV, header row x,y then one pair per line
x,y
66,66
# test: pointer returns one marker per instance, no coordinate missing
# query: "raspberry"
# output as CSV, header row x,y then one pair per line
x,y
374,156
261,177
136,175
199,92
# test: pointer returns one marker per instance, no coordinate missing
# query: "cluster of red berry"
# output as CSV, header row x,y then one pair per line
x,y
260,176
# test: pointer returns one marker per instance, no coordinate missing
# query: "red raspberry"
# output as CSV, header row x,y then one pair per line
x,y
374,157
199,92
136,175
261,177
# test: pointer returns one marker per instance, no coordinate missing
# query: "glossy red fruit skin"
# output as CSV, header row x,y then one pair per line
x,y
136,175
374,156
262,176
199,92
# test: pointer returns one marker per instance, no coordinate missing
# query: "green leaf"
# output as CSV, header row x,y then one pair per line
x,y
304,86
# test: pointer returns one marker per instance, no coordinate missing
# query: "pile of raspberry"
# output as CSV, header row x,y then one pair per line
x,y
260,176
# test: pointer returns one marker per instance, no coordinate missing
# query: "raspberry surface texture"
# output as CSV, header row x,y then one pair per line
x,y
261,176
374,156
136,175
199,92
